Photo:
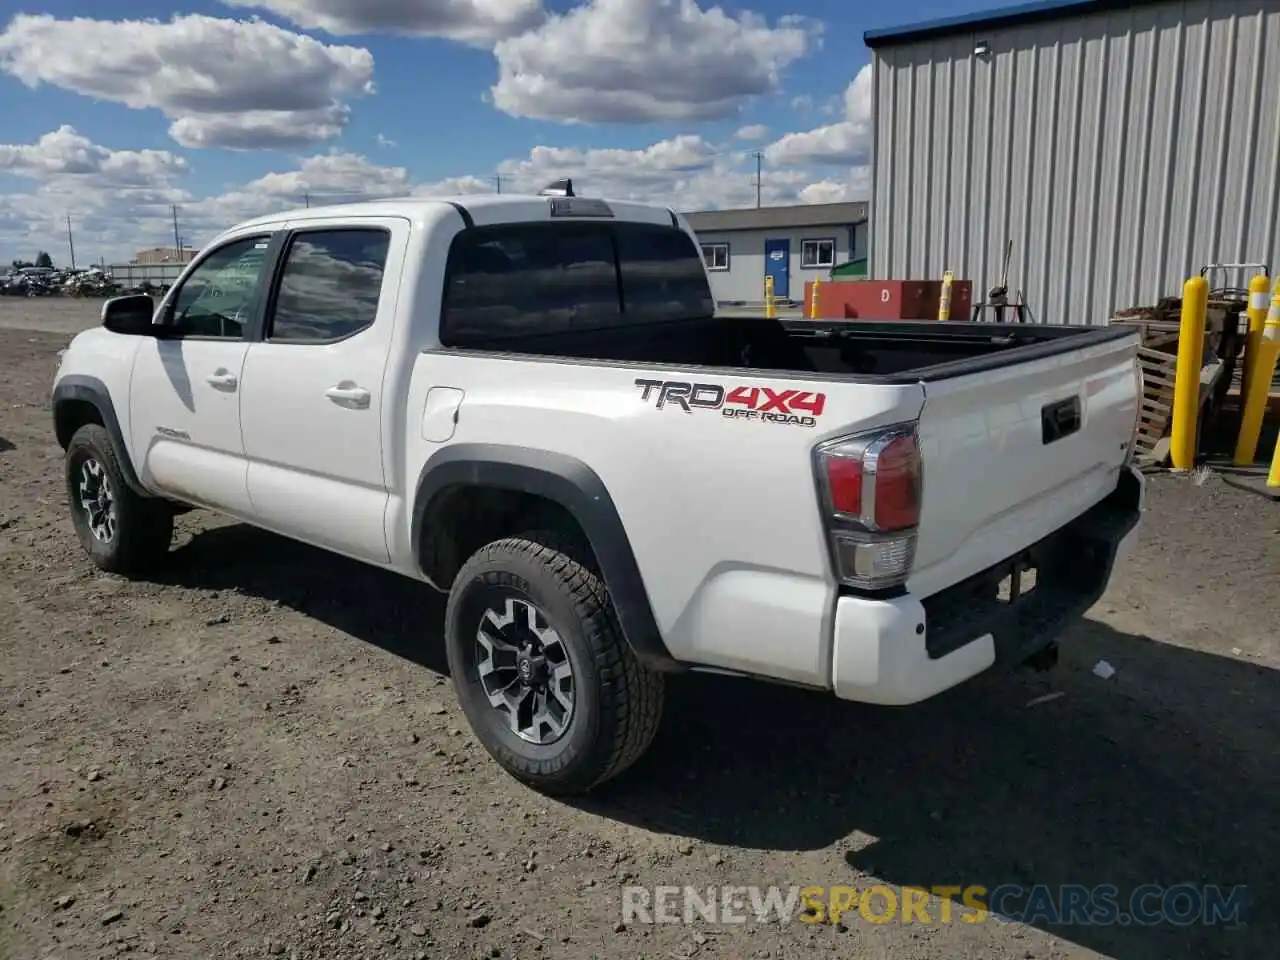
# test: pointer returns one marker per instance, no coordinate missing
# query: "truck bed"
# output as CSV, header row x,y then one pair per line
x,y
863,351
1022,427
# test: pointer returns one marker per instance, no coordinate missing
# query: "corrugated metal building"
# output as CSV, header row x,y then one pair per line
x,y
792,244
1119,145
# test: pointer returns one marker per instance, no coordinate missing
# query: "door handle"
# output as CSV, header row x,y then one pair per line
x,y
222,380
348,395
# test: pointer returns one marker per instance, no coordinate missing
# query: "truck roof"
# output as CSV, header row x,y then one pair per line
x,y
493,207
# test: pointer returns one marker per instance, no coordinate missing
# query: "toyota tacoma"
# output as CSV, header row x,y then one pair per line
x,y
530,404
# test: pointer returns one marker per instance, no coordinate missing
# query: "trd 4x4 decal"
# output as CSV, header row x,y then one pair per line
x,y
800,408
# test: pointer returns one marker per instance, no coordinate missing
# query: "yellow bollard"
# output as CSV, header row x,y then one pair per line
x,y
1255,401
813,302
770,309
1271,334
1259,298
1186,382
944,299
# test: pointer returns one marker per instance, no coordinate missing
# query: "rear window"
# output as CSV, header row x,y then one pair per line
x,y
521,280
663,277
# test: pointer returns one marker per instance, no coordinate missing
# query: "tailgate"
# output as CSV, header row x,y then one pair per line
x,y
1013,453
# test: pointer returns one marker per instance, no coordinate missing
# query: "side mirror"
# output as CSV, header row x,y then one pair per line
x,y
130,315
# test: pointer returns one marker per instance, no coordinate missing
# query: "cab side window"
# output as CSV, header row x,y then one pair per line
x,y
218,297
329,285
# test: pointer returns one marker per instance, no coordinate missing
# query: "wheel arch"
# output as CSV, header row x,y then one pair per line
x,y
79,400
567,484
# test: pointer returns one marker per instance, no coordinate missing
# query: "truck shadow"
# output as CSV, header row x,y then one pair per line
x,y
381,608
1166,774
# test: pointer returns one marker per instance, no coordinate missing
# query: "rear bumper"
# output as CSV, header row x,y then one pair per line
x,y
904,650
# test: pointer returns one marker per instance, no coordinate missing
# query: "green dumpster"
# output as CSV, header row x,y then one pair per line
x,y
850,270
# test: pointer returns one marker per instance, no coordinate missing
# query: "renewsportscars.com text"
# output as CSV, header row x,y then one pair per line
x,y
1074,905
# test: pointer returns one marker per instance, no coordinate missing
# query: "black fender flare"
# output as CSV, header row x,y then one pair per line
x,y
577,488
91,390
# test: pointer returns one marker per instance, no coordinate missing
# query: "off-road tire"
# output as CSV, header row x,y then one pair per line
x,y
617,701
143,526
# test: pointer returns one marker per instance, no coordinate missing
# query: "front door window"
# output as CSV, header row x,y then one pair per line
x,y
218,296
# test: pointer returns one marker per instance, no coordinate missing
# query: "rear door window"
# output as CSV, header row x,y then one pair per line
x,y
330,285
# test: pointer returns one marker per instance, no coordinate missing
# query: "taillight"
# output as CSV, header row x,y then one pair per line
x,y
871,488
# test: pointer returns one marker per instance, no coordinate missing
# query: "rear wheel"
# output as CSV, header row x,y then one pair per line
x,y
121,531
544,675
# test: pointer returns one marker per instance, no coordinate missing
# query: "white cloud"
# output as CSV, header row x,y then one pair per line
x,y
338,177
112,196
238,84
635,61
333,177
120,199
64,152
756,131
683,171
652,166
846,142
384,141
469,21
455,187
856,186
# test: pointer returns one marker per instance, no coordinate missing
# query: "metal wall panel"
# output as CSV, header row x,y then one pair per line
x,y
1119,152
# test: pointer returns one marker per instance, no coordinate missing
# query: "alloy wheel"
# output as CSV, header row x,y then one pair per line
x,y
98,501
524,671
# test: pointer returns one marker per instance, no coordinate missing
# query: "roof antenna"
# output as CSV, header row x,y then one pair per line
x,y
559,188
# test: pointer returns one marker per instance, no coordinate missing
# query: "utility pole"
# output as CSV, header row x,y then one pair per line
x,y
177,240
306,199
758,160
497,181
71,244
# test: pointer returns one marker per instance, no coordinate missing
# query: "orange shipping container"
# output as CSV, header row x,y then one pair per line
x,y
887,300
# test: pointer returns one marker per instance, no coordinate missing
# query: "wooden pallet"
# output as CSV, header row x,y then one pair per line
x,y
1158,328
1156,413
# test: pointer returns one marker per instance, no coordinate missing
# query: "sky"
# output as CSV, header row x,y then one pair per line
x,y
235,108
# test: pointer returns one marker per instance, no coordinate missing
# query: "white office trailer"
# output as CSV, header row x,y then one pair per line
x,y
792,244
1119,146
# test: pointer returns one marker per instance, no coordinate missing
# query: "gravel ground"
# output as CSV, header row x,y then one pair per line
x,y
258,754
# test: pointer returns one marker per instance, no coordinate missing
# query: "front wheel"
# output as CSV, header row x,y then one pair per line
x,y
546,679
121,531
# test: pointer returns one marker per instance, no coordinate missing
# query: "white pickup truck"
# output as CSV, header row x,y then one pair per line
x,y
529,403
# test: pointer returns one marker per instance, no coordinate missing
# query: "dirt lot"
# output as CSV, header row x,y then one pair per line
x,y
259,755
